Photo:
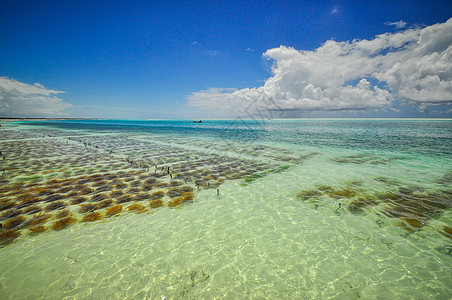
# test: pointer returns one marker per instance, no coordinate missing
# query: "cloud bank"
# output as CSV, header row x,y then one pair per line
x,y
18,99
413,67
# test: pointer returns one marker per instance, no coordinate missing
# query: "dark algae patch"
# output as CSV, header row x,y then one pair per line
x,y
413,205
309,194
253,177
56,178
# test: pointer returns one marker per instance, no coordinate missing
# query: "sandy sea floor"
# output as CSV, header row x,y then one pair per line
x,y
97,214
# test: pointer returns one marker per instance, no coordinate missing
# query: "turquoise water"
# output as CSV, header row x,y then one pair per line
x,y
275,209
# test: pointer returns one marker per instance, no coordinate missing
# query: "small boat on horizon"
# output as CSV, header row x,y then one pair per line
x,y
197,121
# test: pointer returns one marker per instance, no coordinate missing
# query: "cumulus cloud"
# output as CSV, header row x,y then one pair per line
x,y
413,66
18,99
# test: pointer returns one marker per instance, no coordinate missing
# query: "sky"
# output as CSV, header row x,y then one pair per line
x,y
225,59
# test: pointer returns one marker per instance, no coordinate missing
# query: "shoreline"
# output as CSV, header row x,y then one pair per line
x,y
6,119
43,119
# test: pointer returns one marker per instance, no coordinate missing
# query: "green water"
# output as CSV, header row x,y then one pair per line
x,y
284,223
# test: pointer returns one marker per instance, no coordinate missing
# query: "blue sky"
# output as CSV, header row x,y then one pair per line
x,y
209,59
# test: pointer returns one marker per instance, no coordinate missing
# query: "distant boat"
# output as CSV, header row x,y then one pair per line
x,y
197,121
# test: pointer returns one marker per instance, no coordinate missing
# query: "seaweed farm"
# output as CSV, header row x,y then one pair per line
x,y
343,209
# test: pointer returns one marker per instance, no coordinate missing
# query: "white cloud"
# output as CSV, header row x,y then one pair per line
x,y
335,10
18,99
212,53
413,66
398,25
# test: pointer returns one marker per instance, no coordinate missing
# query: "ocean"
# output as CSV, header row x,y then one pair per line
x,y
226,209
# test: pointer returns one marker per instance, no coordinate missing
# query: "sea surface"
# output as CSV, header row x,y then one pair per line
x,y
229,209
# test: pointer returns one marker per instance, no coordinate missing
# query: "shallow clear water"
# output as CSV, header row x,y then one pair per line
x,y
343,209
